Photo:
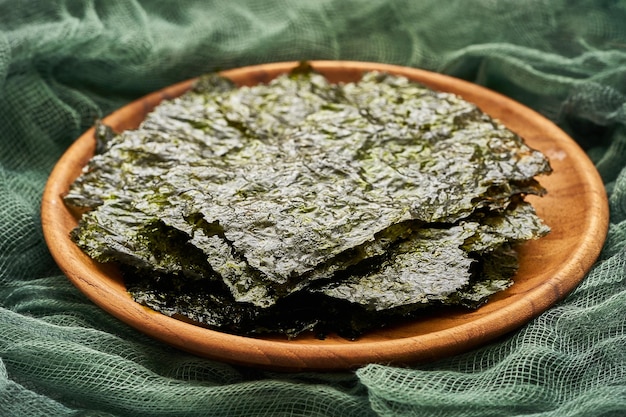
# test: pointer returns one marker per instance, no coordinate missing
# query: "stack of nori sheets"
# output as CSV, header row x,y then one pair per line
x,y
301,204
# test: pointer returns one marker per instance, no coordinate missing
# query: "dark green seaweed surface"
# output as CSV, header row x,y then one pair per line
x,y
303,205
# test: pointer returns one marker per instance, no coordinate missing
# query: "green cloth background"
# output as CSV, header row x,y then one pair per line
x,y
65,63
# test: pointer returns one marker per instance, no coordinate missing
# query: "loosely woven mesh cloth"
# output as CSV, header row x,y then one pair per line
x,y
63,64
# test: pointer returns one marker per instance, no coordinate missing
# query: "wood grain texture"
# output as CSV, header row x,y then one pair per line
x,y
575,208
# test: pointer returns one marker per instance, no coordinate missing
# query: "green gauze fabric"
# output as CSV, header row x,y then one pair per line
x,y
64,63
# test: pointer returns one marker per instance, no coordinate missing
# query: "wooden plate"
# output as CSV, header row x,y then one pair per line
x,y
575,208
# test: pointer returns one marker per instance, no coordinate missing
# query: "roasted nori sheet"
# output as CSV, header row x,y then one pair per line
x,y
232,206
